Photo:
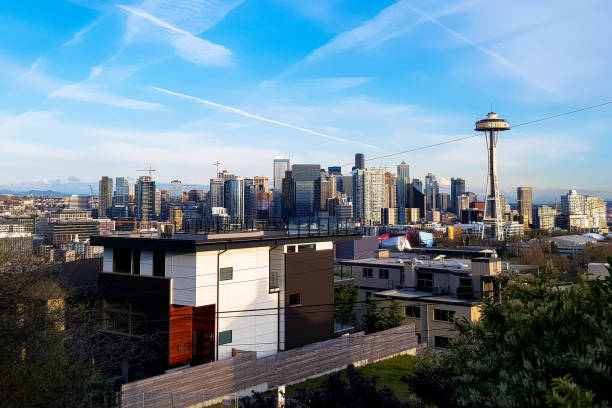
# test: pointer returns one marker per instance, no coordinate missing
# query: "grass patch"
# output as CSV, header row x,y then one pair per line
x,y
389,373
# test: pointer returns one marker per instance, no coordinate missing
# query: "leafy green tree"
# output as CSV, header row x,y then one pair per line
x,y
345,298
381,315
529,341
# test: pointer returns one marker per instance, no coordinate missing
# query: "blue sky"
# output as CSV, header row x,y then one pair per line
x,y
92,87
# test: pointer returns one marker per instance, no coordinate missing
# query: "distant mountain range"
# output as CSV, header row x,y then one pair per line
x,y
36,193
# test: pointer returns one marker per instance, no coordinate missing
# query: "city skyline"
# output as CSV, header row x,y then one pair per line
x,y
377,78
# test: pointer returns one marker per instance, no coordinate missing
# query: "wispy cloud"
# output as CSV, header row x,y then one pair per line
x,y
504,61
263,119
390,23
187,45
90,93
78,36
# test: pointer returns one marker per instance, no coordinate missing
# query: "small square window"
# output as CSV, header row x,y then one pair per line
x,y
225,337
383,274
290,248
295,299
226,273
368,273
442,342
413,311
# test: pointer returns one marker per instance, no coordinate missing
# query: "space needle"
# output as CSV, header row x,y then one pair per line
x,y
493,220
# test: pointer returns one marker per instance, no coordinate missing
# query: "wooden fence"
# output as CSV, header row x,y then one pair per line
x,y
238,375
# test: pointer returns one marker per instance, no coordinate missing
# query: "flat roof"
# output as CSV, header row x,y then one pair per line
x,y
197,243
417,295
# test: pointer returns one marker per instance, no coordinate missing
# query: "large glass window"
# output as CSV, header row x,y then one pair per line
x,y
413,311
159,263
126,260
425,280
121,317
442,342
307,247
444,315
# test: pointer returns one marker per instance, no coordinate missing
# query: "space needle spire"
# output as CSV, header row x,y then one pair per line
x,y
493,220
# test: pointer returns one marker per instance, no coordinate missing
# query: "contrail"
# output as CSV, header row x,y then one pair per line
x,y
482,49
261,118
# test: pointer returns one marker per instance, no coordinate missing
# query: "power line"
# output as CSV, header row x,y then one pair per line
x,y
473,136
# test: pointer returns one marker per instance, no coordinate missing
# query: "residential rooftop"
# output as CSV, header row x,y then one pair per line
x,y
415,295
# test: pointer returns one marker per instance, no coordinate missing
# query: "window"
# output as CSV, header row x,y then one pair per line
x,y
295,299
368,295
383,273
444,315
290,248
159,263
307,247
442,342
425,280
121,317
226,273
122,260
126,260
368,273
225,337
413,311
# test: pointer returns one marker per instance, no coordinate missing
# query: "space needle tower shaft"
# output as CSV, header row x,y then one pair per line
x,y
493,219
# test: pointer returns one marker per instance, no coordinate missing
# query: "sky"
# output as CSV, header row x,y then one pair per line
x,y
94,87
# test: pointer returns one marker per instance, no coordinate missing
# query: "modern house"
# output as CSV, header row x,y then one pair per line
x,y
207,297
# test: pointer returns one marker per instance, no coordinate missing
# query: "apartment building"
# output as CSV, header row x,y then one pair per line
x,y
433,292
206,297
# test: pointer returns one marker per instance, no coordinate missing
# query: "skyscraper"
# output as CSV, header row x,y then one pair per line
x,y
215,194
368,195
390,190
225,175
105,193
431,192
288,196
359,161
176,192
122,191
305,177
418,184
145,198
457,189
524,200
236,197
263,197
403,180
281,165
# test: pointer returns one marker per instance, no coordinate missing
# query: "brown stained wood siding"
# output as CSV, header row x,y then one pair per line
x,y
183,321
181,327
311,274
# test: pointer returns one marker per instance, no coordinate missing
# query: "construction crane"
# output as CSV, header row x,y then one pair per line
x,y
150,170
217,164
94,204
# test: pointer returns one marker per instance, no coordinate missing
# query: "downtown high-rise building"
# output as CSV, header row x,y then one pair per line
x,y
368,195
403,181
215,193
281,165
122,191
390,190
305,177
418,184
145,198
105,194
236,197
457,189
263,197
288,196
524,199
359,161
176,192
431,192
